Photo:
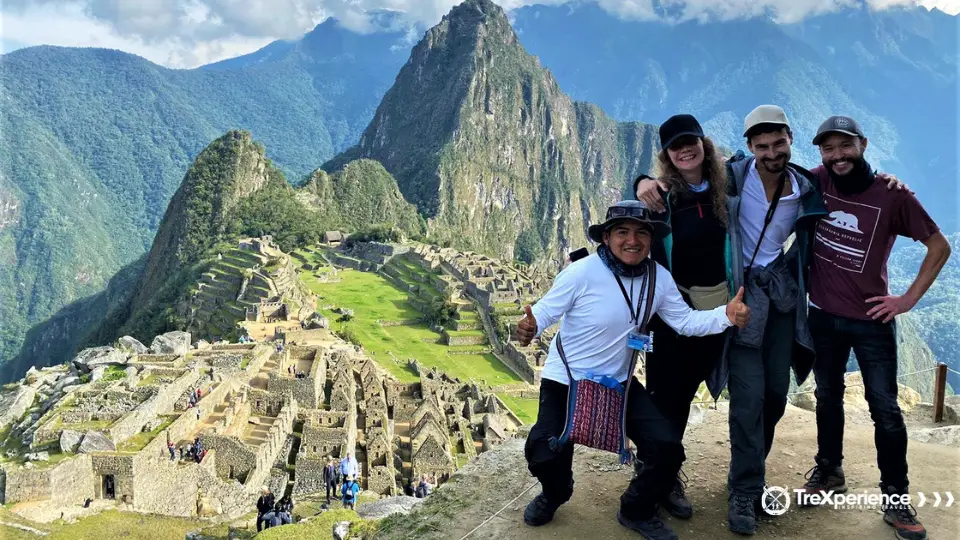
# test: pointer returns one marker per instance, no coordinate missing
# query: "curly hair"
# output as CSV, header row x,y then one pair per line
x,y
714,171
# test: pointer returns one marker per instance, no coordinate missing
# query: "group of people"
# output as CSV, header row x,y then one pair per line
x,y
760,266
196,395
341,478
422,489
295,373
271,512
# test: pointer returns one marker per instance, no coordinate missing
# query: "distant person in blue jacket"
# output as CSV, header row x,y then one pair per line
x,y
349,491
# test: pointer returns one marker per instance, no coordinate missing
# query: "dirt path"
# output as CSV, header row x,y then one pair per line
x,y
484,486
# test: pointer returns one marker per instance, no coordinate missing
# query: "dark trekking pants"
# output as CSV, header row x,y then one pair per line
x,y
676,368
658,449
875,345
758,385
331,487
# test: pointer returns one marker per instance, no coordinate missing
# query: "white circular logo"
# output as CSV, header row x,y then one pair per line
x,y
841,123
775,500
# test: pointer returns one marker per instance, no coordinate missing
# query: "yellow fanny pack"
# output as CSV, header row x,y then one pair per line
x,y
704,298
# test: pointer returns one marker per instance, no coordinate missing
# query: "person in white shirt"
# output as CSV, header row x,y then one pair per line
x,y
599,301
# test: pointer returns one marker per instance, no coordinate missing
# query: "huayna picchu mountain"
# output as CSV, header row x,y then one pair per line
x,y
483,140
231,190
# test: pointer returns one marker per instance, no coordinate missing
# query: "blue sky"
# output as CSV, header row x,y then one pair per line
x,y
188,33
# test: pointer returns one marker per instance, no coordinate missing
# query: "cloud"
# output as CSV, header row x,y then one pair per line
x,y
186,33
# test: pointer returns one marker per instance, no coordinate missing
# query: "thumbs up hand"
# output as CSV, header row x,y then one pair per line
x,y
526,328
737,311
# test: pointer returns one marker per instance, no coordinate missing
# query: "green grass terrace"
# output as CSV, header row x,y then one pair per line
x,y
374,299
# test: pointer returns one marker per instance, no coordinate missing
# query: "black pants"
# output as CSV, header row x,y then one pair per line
x,y
675,369
758,385
657,448
875,345
331,487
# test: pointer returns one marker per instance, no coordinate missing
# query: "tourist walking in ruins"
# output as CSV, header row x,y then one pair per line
x,y
768,199
172,450
694,252
330,477
601,325
349,491
851,308
348,465
264,505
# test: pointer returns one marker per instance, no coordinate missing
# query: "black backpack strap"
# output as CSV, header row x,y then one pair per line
x,y
563,357
651,289
769,217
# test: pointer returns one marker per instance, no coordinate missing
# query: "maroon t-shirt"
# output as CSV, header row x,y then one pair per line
x,y
852,244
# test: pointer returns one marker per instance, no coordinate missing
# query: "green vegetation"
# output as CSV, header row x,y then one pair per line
x,y
142,439
526,409
96,142
113,373
375,299
110,525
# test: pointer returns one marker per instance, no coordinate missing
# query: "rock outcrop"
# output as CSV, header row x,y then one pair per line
x,y
95,441
132,345
94,357
70,440
171,343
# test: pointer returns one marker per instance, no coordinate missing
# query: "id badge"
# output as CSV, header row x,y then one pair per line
x,y
640,342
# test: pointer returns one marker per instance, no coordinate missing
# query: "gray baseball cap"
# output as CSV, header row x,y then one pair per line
x,y
764,114
838,124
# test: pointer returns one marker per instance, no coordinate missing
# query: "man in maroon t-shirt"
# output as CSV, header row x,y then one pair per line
x,y
851,307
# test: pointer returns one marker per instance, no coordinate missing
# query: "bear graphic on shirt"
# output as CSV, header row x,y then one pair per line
x,y
845,221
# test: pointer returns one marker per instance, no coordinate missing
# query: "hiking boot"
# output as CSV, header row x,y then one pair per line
x,y
822,478
742,516
676,503
903,519
540,511
652,529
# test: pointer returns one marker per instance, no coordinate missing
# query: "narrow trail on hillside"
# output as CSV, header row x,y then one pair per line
x,y
485,486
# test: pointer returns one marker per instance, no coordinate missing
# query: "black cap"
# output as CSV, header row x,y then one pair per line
x,y
838,124
677,126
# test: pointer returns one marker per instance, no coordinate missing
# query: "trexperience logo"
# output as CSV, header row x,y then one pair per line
x,y
864,500
775,500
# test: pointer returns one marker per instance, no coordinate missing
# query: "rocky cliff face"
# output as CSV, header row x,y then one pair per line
x,y
483,140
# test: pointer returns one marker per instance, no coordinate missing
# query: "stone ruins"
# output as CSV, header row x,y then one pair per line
x,y
99,428
253,282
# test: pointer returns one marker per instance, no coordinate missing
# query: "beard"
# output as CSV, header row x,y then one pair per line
x,y
857,163
856,181
777,164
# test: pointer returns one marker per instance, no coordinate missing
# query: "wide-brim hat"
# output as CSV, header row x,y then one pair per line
x,y
629,211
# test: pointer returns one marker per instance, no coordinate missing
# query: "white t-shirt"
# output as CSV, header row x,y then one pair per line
x,y
753,210
596,320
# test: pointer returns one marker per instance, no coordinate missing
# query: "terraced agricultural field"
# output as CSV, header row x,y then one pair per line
x,y
374,299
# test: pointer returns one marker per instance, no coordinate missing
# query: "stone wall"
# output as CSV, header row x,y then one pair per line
x,y
308,391
161,402
263,403
73,481
234,458
121,468
26,485
309,477
463,340
166,487
184,426
517,361
261,353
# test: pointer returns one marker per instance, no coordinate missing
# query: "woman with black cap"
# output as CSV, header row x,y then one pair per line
x,y
692,183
